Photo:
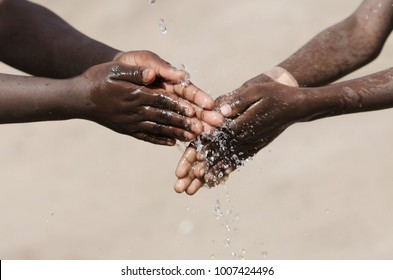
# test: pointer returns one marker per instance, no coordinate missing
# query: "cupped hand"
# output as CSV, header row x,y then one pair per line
x,y
256,114
162,75
114,98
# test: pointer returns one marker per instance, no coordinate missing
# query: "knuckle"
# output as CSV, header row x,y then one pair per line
x,y
166,116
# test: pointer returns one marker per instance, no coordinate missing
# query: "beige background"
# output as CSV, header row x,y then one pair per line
x,y
322,190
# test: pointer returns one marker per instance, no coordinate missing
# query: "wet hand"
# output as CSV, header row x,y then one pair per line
x,y
256,114
114,99
162,75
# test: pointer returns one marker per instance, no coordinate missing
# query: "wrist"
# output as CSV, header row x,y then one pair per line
x,y
282,76
77,102
320,103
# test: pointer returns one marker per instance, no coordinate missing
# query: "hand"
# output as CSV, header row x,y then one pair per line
x,y
257,114
113,99
161,75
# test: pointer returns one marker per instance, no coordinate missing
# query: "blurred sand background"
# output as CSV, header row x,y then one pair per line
x,y
322,190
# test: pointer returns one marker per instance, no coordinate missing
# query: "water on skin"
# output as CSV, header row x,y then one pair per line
x,y
187,79
221,137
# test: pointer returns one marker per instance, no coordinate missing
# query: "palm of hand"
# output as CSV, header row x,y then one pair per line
x,y
261,113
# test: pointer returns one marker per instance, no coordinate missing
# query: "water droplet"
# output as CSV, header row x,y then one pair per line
x,y
162,25
187,79
217,210
152,2
187,209
327,211
228,228
243,251
180,147
227,242
233,254
264,254
52,213
212,257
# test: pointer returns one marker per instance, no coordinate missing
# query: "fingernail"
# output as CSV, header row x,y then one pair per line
x,y
226,110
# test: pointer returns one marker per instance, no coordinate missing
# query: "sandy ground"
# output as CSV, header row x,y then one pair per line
x,y
322,190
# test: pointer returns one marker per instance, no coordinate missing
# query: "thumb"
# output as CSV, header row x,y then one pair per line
x,y
236,102
138,75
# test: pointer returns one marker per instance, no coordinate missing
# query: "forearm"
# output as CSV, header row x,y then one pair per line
x,y
36,41
344,47
373,92
28,99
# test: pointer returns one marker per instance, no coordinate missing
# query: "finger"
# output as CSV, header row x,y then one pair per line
x,y
164,131
182,184
195,185
154,139
134,74
186,162
200,169
236,102
217,173
195,95
170,118
207,128
162,100
162,68
211,118
149,59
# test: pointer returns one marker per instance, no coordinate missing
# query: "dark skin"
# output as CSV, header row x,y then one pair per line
x,y
138,94
262,109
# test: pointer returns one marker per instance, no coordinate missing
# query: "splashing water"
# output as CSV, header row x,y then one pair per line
x,y
223,211
217,210
227,242
162,26
187,79
222,150
181,146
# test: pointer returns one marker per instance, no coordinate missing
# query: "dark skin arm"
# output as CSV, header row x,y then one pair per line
x,y
260,110
35,40
341,48
107,94
276,107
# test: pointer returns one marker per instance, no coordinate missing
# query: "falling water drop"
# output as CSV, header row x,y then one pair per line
x,y
187,78
217,210
162,25
227,242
